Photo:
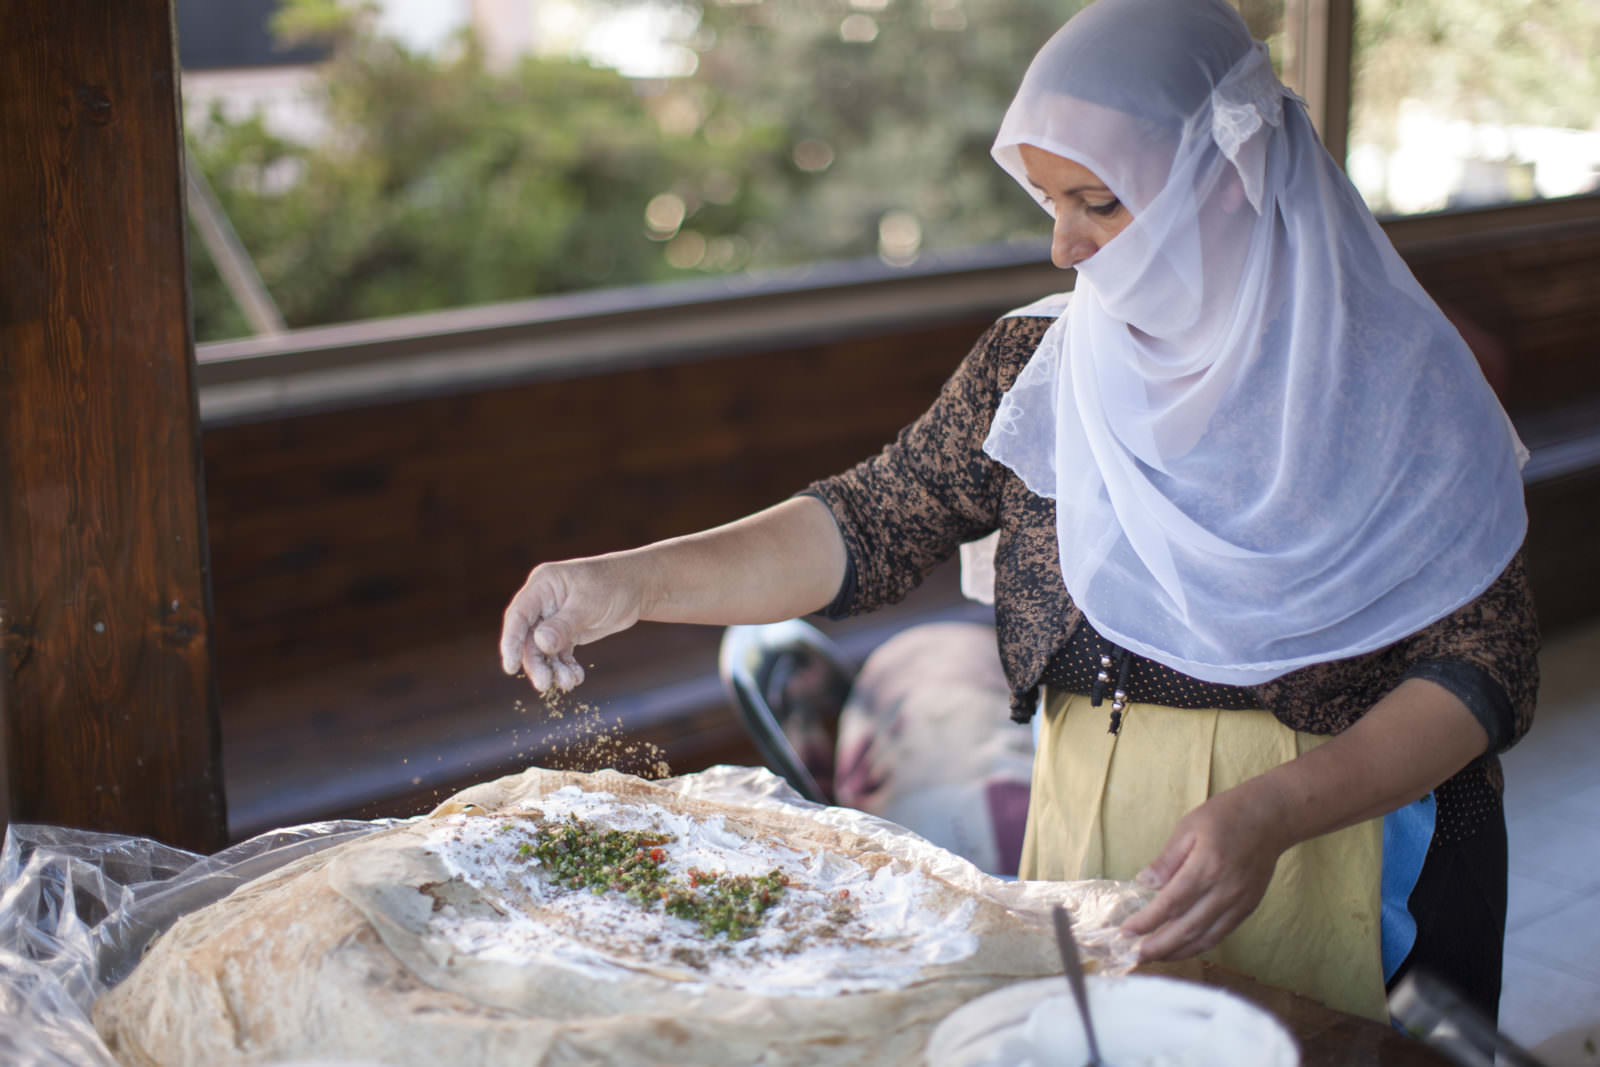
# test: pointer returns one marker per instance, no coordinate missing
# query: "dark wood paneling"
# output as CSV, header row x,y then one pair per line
x,y
107,701
1563,548
1529,299
352,534
1536,293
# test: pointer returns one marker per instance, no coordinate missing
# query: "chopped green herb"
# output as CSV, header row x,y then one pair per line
x,y
730,904
577,854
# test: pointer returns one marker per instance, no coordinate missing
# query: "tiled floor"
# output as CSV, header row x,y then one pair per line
x,y
1552,969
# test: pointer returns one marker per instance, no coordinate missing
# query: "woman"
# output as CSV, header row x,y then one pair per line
x,y
1259,523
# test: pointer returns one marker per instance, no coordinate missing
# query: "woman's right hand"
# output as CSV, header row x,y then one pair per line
x,y
563,605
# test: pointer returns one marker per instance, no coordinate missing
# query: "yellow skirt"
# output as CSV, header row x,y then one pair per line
x,y
1103,806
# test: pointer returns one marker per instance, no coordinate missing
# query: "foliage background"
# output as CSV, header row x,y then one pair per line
x,y
809,130
445,183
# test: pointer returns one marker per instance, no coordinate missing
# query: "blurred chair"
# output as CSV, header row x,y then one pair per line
x,y
919,734
789,682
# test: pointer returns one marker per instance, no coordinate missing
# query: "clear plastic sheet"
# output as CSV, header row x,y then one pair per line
x,y
77,909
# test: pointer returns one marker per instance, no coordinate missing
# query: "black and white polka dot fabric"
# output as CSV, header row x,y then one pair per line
x,y
1075,669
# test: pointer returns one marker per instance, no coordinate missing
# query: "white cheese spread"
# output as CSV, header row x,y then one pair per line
x,y
838,927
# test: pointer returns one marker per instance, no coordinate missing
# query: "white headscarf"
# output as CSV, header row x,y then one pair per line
x,y
1267,446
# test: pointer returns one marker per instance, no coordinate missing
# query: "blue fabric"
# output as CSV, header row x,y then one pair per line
x,y
1406,834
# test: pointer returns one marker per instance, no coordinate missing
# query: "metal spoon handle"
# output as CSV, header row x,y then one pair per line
x,y
1068,946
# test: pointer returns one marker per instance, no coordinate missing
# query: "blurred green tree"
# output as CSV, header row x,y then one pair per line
x,y
889,109
1484,62
810,130
442,184
1530,62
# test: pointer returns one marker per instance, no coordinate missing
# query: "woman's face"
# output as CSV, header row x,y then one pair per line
x,y
1087,213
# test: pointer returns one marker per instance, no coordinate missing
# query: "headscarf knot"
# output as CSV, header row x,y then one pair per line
x,y
1248,98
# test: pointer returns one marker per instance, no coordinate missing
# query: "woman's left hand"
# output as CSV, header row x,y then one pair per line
x,y
1220,857
1211,875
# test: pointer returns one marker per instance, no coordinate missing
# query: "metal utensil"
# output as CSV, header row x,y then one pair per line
x,y
1068,945
1436,1014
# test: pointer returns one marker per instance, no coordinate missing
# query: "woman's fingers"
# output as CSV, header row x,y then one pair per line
x,y
554,635
539,669
561,606
514,633
1199,930
534,637
554,641
1179,913
568,675
1179,887
1211,936
1165,867
1168,942
528,611
560,671
1216,867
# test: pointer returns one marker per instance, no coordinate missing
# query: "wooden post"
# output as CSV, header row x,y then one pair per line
x,y
108,708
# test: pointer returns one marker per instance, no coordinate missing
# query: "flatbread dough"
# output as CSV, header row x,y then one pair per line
x,y
438,941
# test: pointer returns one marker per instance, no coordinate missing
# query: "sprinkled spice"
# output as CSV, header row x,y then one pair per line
x,y
577,854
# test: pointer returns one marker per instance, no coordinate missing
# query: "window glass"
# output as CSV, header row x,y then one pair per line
x,y
1468,103
513,150
1267,20
414,155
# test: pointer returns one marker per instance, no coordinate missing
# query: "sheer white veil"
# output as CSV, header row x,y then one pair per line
x,y
1267,446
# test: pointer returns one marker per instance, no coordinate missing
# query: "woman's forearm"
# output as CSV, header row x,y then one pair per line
x,y
1408,743
785,561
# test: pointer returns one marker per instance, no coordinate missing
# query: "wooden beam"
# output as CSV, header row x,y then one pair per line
x,y
108,709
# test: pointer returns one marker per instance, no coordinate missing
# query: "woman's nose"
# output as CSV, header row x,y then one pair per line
x,y
1070,243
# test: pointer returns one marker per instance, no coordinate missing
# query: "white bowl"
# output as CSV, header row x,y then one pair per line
x,y
1140,1021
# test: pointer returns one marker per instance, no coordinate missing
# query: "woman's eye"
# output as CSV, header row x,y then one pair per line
x,y
1107,209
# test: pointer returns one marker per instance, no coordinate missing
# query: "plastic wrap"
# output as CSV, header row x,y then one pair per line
x,y
78,909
